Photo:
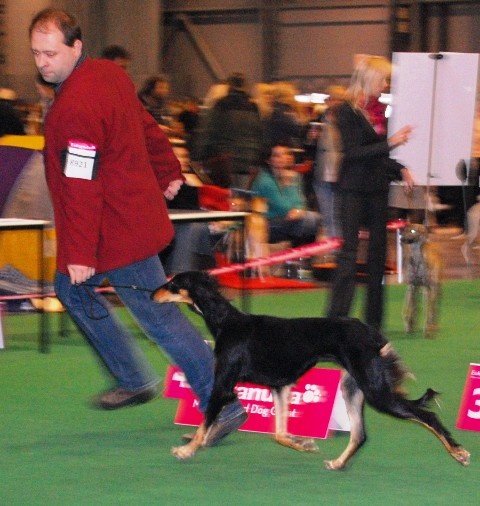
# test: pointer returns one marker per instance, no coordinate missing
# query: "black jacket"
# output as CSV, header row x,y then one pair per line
x,y
366,165
10,122
233,127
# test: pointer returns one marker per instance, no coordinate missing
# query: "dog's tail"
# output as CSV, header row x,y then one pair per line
x,y
425,399
396,370
399,372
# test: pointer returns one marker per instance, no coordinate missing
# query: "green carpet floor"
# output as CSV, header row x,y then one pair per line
x,y
56,450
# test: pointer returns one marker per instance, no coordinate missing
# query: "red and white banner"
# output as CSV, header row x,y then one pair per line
x,y
316,404
469,412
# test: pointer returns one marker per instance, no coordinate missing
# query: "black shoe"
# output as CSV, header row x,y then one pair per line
x,y
120,398
220,429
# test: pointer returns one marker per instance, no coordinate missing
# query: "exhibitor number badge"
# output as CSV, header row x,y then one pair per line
x,y
80,160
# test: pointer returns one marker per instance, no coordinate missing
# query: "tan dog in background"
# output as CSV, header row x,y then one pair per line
x,y
423,272
256,233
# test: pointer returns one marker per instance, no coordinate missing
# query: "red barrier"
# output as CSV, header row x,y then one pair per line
x,y
290,254
308,250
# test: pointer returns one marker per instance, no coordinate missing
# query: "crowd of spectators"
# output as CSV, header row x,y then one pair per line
x,y
226,136
250,139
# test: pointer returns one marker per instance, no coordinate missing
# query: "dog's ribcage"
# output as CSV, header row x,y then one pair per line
x,y
276,352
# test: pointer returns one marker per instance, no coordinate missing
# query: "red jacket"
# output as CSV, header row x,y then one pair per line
x,y
120,216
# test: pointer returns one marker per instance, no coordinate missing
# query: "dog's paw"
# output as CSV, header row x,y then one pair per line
x,y
308,445
430,331
461,455
334,465
183,452
297,443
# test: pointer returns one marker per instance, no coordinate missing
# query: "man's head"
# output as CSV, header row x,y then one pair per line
x,y
237,82
118,55
156,86
56,43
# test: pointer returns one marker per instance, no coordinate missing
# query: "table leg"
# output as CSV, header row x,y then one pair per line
x,y
245,302
44,323
399,257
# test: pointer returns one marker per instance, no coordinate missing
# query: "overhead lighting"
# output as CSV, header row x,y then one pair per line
x,y
311,98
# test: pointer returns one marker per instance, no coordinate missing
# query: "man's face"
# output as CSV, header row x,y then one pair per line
x,y
162,89
53,58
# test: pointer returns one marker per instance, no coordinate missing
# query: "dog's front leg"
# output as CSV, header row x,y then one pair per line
x,y
431,326
187,451
409,308
281,400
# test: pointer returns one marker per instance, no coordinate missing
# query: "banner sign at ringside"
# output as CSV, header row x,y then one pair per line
x,y
469,412
316,404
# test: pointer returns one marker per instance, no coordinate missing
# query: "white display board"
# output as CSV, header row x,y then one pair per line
x,y
436,94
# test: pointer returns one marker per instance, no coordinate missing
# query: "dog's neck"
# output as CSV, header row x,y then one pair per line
x,y
216,311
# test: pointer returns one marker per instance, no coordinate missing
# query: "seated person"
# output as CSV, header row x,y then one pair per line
x,y
192,247
281,186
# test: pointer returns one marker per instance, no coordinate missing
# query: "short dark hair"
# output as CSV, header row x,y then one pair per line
x,y
237,81
268,149
149,84
65,22
113,52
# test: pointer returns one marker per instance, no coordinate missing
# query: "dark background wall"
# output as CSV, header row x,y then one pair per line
x,y
197,42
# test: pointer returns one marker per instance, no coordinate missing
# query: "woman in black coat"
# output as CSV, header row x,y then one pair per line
x,y
365,174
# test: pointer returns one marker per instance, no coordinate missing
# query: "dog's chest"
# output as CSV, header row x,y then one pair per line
x,y
418,270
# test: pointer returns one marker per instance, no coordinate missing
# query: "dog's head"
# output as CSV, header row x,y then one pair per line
x,y
414,233
185,287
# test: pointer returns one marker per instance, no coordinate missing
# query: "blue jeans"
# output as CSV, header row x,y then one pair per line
x,y
164,324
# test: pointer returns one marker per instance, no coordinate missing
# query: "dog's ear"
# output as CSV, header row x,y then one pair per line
x,y
209,281
204,279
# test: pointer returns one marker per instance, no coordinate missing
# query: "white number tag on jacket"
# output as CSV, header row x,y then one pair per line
x,y
80,160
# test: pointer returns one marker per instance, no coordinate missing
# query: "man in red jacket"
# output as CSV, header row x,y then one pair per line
x,y
109,168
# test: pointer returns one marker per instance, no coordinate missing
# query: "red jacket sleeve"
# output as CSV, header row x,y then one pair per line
x,y
164,162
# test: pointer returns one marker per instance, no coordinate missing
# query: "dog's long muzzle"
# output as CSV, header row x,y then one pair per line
x,y
162,295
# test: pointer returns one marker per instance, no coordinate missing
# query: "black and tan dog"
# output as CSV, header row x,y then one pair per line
x,y
276,352
423,273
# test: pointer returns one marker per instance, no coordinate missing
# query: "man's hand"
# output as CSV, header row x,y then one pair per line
x,y
80,273
295,214
407,180
172,189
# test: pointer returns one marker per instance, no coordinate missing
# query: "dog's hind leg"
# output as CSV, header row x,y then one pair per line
x,y
281,400
413,410
354,402
383,398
